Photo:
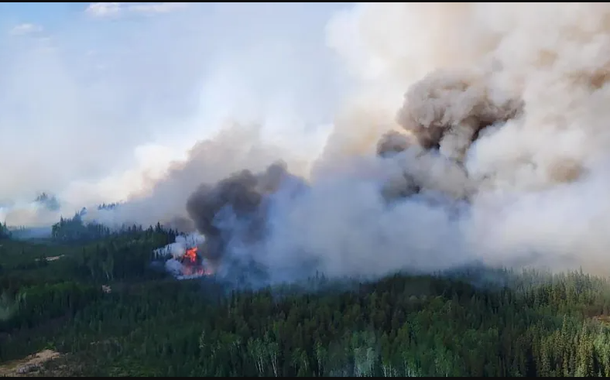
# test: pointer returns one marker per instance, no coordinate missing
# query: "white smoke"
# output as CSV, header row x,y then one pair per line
x,y
94,111
173,252
504,108
539,177
174,267
178,248
529,191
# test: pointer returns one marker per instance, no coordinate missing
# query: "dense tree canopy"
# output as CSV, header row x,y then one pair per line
x,y
510,324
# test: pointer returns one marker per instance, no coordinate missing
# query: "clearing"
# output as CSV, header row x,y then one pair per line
x,y
29,365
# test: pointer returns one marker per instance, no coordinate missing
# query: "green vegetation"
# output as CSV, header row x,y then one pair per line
x,y
51,296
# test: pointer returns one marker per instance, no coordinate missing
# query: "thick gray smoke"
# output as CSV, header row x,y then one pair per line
x,y
497,154
235,148
447,110
235,206
444,114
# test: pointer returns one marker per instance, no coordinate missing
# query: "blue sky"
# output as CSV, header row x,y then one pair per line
x,y
49,14
91,91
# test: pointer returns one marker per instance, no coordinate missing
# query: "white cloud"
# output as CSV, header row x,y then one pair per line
x,y
74,119
103,9
156,7
23,29
114,9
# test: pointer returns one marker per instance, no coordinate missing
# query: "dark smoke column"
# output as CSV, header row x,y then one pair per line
x,y
234,209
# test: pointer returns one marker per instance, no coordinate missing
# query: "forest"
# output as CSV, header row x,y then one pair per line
x,y
95,297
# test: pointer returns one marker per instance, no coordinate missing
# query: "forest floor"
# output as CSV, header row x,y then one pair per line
x,y
29,366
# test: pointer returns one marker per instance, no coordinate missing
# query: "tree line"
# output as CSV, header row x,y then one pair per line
x,y
469,323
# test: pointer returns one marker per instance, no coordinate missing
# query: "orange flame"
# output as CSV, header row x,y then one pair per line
x,y
191,255
191,266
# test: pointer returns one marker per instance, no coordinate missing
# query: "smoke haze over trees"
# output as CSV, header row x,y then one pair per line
x,y
438,158
109,312
474,153
450,221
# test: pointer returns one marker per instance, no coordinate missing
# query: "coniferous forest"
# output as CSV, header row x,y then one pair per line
x,y
93,296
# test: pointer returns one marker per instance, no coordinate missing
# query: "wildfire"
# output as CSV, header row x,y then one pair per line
x,y
193,271
192,265
191,255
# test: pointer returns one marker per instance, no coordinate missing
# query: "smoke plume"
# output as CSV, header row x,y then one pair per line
x,y
242,195
479,134
236,147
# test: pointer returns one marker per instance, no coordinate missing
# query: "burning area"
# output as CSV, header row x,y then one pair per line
x,y
496,154
183,259
191,263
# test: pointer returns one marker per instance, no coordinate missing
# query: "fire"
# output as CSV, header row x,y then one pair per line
x,y
192,265
191,255
193,271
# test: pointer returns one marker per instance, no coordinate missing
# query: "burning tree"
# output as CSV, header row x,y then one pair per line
x,y
184,257
192,263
